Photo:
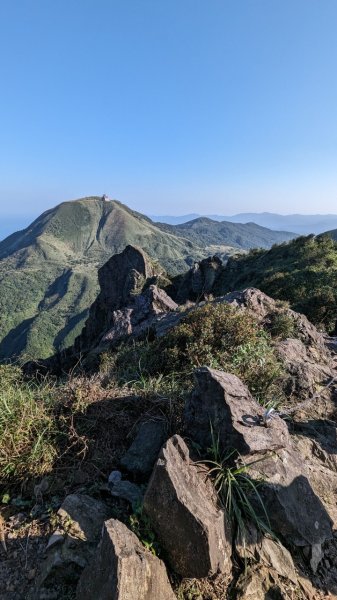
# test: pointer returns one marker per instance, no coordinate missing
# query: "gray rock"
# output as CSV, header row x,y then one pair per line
x,y
294,510
127,491
121,277
306,367
221,401
74,542
251,544
124,570
114,477
143,452
140,315
181,505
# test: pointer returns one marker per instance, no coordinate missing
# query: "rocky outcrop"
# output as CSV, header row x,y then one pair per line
x,y
200,280
123,275
222,400
222,404
123,569
139,316
128,303
306,366
252,545
181,505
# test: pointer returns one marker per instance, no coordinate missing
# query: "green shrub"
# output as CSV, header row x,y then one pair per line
x,y
216,335
282,325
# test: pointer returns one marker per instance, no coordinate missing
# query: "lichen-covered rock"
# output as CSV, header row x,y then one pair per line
x,y
123,569
223,404
182,507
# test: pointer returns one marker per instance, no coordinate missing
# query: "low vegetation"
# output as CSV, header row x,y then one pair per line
x,y
215,335
302,272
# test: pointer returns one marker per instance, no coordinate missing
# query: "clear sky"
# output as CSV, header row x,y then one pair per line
x,y
171,106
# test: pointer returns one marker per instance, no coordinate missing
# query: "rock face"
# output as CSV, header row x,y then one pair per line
x,y
143,452
138,317
128,302
123,569
73,544
224,401
306,368
285,485
121,276
200,280
181,505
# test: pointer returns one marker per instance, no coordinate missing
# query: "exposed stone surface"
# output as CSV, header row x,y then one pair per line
x,y
200,279
305,367
224,401
294,510
251,544
74,542
182,507
119,278
143,452
139,316
127,491
123,569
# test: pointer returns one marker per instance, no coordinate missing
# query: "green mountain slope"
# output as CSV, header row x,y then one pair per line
x,y
204,231
302,272
48,272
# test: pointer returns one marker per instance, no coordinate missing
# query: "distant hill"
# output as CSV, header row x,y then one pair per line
x,y
205,231
301,224
302,272
48,271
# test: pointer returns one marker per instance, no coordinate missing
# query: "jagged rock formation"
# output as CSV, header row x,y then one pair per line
x,y
182,507
124,570
120,278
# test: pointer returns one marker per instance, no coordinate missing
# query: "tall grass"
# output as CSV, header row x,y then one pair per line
x,y
27,426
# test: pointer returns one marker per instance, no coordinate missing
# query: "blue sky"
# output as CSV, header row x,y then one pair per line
x,y
171,106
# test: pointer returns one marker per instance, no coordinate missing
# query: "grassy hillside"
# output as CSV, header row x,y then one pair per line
x,y
48,272
205,231
303,272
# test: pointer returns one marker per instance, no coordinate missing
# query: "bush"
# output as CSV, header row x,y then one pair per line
x,y
215,335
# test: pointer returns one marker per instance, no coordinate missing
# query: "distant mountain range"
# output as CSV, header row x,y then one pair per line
x,y
300,224
48,271
204,231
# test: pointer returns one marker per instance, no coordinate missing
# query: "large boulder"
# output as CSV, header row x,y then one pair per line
x,y
222,406
181,504
306,368
123,569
